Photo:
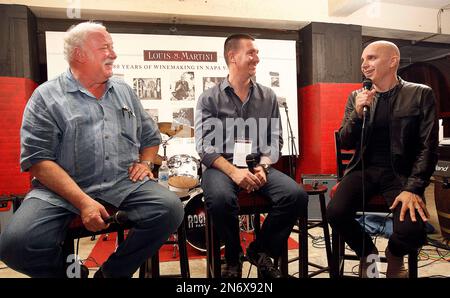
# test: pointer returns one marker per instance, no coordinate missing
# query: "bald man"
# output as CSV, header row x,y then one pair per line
x,y
400,154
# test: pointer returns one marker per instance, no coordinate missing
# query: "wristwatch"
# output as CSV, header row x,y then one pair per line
x,y
265,167
148,163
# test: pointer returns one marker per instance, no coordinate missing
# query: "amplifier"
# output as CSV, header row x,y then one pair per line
x,y
6,212
442,169
329,181
8,205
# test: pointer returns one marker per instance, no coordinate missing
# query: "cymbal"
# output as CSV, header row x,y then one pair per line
x,y
176,130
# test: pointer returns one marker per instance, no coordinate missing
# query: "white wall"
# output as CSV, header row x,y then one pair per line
x,y
280,14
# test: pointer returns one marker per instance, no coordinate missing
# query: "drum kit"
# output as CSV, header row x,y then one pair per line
x,y
184,180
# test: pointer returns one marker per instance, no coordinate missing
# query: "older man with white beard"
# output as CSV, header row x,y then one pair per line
x,y
87,141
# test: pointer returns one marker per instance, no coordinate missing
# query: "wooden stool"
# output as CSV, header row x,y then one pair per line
x,y
152,265
256,204
77,230
249,203
319,190
150,268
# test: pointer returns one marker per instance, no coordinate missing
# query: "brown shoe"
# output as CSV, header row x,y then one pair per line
x,y
395,266
368,267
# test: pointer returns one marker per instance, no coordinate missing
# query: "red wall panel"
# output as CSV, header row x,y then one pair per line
x,y
14,93
321,108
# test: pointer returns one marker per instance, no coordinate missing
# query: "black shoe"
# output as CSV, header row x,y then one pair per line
x,y
99,273
263,262
232,271
84,271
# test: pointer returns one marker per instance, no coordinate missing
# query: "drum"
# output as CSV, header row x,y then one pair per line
x,y
195,220
183,171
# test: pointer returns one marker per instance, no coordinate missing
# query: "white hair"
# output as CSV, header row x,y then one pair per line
x,y
76,36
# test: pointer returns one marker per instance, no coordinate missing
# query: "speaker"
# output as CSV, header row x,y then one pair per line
x,y
6,212
314,213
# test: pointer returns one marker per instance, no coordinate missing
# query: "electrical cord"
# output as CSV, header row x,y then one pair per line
x,y
363,180
383,228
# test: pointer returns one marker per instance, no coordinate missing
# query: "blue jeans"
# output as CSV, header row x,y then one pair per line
x,y
289,201
32,241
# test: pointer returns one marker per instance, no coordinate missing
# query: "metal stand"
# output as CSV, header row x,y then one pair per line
x,y
292,147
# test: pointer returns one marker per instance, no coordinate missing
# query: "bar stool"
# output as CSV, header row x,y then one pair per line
x,y
249,203
253,203
320,190
151,266
375,203
77,230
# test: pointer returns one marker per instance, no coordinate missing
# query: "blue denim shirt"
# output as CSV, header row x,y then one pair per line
x,y
94,141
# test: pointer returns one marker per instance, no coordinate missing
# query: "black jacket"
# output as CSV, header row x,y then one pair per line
x,y
413,128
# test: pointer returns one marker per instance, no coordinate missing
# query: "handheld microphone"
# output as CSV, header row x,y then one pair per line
x,y
252,161
367,85
120,218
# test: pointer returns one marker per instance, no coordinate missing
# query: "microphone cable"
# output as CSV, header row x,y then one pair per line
x,y
363,180
367,85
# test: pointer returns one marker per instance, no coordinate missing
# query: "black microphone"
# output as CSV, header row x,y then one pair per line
x,y
120,218
367,85
252,161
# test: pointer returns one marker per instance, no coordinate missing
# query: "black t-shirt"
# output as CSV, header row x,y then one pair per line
x,y
379,146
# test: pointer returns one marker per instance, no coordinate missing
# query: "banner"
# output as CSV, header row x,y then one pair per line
x,y
169,72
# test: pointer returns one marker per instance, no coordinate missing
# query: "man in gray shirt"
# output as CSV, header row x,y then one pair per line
x,y
236,120
86,138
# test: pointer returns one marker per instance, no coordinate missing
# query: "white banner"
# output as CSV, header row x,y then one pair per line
x,y
169,72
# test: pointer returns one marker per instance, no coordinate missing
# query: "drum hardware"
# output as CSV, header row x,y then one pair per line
x,y
184,180
164,143
194,215
183,171
194,212
175,245
246,222
175,129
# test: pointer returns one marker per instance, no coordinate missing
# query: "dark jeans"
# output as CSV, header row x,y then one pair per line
x,y
407,235
289,202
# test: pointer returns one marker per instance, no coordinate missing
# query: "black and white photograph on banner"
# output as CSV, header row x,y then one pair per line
x,y
274,79
183,86
183,116
147,88
281,101
153,113
209,82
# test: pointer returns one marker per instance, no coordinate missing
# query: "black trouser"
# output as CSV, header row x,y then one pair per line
x,y
407,235
289,202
